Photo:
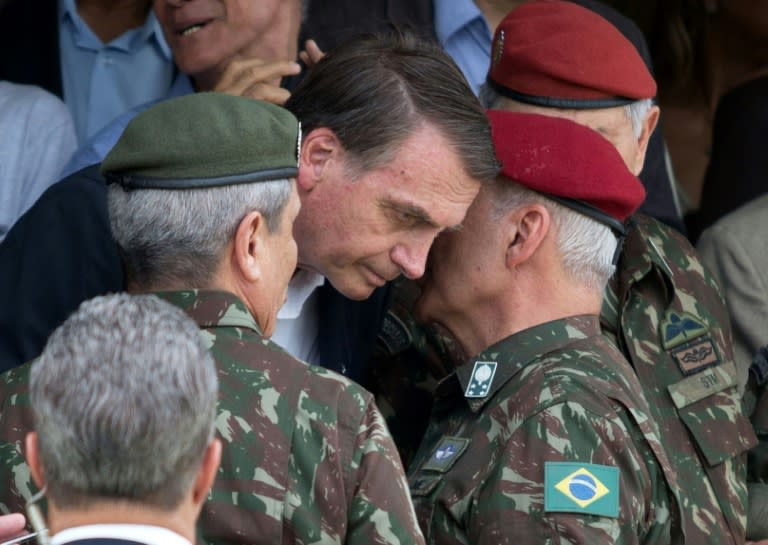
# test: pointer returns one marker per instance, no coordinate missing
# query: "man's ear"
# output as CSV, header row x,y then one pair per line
x,y
207,472
318,148
528,226
247,246
32,455
649,125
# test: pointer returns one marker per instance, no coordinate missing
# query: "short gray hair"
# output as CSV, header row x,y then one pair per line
x,y
636,111
586,246
124,401
167,236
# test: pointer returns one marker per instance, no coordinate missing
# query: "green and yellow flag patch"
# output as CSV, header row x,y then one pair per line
x,y
573,487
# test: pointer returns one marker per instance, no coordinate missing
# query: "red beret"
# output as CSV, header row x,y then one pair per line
x,y
568,162
558,54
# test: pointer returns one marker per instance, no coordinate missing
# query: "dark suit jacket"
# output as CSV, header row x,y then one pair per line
x,y
61,253
29,44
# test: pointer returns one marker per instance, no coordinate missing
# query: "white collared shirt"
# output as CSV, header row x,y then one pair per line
x,y
151,535
297,328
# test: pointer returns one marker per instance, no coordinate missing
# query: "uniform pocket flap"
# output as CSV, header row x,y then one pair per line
x,y
708,404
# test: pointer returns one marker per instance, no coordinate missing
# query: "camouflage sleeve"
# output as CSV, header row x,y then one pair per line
x,y
524,495
381,510
15,423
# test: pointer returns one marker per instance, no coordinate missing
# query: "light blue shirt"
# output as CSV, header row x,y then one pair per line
x,y
464,34
101,81
98,146
36,139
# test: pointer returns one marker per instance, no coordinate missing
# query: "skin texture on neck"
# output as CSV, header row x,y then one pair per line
x,y
536,292
180,520
495,10
108,19
278,42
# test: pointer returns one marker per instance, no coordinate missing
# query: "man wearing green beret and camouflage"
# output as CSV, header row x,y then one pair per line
x,y
202,200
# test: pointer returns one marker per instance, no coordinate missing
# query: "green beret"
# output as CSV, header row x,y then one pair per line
x,y
205,140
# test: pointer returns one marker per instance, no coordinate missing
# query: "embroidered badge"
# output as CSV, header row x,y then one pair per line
x,y
680,327
696,356
498,49
448,450
481,379
394,335
571,487
422,485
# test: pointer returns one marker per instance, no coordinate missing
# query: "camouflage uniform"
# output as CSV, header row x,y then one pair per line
x,y
487,470
673,327
307,457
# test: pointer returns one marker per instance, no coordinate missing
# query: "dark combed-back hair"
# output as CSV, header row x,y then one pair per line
x,y
377,89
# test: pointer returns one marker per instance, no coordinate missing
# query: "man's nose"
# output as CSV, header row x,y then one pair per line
x,y
412,257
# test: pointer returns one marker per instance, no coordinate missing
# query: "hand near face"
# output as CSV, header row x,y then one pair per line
x,y
11,525
311,54
256,78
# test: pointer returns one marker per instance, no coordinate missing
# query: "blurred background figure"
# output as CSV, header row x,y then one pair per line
x,y
124,400
737,171
102,57
702,49
36,140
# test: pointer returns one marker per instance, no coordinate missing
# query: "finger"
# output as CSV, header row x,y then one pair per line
x,y
267,93
245,73
11,525
313,52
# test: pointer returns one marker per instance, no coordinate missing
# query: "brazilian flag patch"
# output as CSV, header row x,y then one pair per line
x,y
572,487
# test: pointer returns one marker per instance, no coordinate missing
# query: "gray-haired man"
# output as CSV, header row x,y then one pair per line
x,y
124,400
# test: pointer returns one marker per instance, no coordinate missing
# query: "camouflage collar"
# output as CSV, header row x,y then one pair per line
x,y
210,308
507,357
642,255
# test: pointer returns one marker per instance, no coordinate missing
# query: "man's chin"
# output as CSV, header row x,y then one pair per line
x,y
356,292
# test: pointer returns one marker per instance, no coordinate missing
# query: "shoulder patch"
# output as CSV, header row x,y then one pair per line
x,y
696,355
680,327
448,450
573,487
481,379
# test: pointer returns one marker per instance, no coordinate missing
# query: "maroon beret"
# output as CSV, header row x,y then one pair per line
x,y
568,162
558,54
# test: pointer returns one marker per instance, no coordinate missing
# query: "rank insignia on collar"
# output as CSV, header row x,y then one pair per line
x,y
481,380
680,327
573,487
448,450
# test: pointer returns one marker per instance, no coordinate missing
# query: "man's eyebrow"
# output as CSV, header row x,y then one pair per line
x,y
413,210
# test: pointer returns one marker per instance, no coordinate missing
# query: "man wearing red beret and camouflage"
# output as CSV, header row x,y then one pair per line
x,y
544,435
662,309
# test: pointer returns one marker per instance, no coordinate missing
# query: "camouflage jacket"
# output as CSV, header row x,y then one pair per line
x,y
545,437
673,328
307,457
665,312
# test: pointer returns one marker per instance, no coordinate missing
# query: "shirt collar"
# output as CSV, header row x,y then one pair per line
x,y
151,535
303,283
151,29
453,15
517,351
211,308
637,261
